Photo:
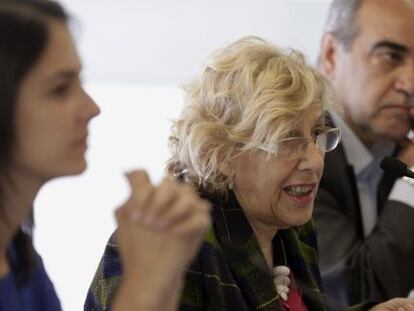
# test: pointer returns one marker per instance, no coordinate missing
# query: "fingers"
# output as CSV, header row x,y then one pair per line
x,y
186,205
138,178
408,305
396,304
162,198
168,205
142,191
193,225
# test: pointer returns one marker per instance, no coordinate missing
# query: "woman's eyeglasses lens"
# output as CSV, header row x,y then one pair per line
x,y
327,141
295,147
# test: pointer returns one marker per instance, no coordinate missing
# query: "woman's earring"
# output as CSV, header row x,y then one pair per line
x,y
231,184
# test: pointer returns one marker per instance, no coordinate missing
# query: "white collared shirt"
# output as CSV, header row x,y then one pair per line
x,y
367,170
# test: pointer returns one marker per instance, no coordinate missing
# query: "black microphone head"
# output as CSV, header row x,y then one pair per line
x,y
394,166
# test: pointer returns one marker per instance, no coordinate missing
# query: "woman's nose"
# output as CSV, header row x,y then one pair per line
x,y
312,158
92,109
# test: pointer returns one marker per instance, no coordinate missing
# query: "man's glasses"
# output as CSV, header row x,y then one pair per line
x,y
294,148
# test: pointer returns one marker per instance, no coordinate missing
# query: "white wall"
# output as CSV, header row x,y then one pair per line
x,y
136,55
164,42
74,215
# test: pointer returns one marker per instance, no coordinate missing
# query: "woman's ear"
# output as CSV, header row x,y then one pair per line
x,y
226,168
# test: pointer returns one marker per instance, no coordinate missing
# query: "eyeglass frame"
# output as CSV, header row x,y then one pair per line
x,y
314,140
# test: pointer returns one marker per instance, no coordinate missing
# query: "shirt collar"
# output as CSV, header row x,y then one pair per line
x,y
357,154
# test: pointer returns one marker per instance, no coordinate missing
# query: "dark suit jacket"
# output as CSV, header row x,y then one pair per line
x,y
378,267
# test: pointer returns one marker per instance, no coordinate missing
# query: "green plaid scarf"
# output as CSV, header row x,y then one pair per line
x,y
230,272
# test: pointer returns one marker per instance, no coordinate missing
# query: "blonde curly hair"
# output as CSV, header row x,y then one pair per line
x,y
250,93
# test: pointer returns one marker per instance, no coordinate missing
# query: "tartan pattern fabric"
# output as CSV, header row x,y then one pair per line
x,y
230,272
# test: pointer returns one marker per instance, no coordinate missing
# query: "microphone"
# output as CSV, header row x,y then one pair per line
x,y
396,167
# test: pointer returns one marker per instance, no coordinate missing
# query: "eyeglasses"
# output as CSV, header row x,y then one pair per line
x,y
295,147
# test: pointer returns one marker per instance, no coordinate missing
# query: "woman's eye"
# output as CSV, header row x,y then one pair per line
x,y
61,90
319,130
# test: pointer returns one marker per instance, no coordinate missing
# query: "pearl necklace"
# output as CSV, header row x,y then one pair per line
x,y
281,276
282,281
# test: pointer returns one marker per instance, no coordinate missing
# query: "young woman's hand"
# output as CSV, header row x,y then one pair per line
x,y
160,229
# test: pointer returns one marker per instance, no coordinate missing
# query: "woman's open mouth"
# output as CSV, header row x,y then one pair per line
x,y
303,194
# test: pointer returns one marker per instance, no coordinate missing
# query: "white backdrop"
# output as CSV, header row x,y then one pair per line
x,y
136,56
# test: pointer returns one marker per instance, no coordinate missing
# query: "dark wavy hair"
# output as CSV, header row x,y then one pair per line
x,y
24,34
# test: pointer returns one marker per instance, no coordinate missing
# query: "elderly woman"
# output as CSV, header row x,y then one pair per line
x,y
251,139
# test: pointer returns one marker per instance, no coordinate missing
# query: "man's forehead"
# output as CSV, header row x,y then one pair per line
x,y
386,11
387,21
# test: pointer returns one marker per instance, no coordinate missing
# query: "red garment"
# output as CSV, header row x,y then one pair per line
x,y
294,301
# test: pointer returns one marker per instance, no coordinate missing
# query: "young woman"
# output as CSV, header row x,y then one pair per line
x,y
44,116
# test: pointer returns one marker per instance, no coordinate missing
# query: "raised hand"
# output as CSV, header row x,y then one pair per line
x,y
160,229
